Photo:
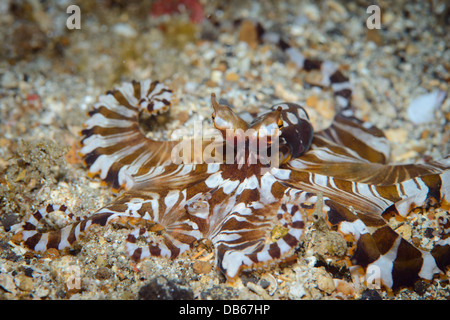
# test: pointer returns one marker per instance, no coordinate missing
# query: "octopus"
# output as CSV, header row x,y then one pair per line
x,y
252,190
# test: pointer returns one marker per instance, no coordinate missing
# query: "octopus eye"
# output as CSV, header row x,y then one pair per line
x,y
280,124
213,117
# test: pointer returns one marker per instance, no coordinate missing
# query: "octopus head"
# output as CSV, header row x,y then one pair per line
x,y
224,118
232,126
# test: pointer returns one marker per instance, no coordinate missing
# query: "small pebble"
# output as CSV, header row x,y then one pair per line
x,y
9,80
325,282
7,283
398,135
264,283
102,273
202,267
42,292
375,36
344,287
211,84
23,282
124,30
232,76
52,253
258,290
161,288
100,261
249,34
420,287
370,294
216,76
405,231
421,109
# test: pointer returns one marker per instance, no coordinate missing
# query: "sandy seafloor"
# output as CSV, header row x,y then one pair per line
x,y
50,76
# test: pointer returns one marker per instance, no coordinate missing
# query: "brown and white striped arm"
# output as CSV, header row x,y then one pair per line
x,y
332,77
113,145
347,164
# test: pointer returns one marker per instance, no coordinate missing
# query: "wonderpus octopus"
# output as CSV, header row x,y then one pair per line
x,y
239,195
